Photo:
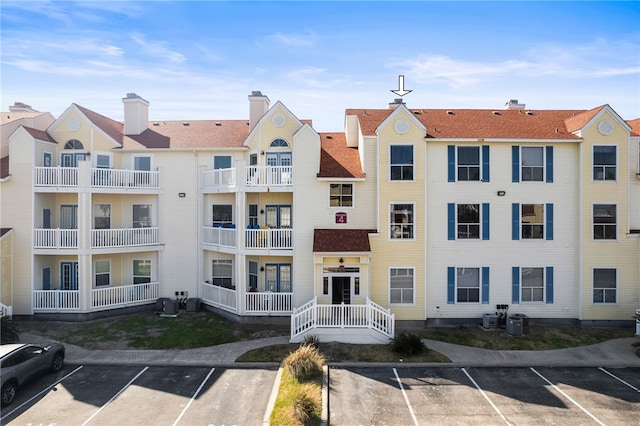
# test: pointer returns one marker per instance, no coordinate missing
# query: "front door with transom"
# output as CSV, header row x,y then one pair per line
x,y
340,290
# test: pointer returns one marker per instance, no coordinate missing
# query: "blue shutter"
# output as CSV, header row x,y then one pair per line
x,y
451,160
451,221
515,285
515,221
549,284
485,163
515,163
485,285
451,284
549,221
549,165
485,221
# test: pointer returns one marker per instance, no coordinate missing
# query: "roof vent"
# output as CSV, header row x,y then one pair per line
x,y
450,113
185,123
529,112
329,137
495,112
218,123
513,104
155,123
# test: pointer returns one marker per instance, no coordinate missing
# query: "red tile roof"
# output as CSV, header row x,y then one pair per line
x,y
635,126
341,240
337,160
485,123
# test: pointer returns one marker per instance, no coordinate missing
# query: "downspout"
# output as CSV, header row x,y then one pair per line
x,y
199,224
580,230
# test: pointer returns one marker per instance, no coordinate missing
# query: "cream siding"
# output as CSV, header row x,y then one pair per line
x,y
6,268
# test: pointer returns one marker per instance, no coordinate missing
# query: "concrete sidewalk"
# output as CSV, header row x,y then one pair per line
x,y
612,353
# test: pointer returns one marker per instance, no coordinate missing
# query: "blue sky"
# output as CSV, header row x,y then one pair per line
x,y
200,59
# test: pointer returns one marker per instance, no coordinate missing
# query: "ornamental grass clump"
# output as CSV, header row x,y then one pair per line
x,y
305,363
306,406
407,344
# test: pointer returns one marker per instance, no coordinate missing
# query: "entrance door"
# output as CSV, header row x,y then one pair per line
x,y
280,173
46,278
278,277
70,159
46,218
340,290
68,216
69,275
278,217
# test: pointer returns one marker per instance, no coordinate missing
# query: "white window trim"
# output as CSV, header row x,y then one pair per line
x,y
544,286
479,222
413,149
223,262
413,269
353,196
618,170
133,275
458,165
544,164
544,222
95,273
617,286
213,160
95,155
603,240
391,203
479,268
133,160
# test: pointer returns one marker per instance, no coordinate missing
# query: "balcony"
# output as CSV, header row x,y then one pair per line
x,y
101,298
100,238
255,303
250,178
70,178
254,239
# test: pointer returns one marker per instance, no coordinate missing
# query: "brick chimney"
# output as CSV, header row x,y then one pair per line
x,y
136,114
258,106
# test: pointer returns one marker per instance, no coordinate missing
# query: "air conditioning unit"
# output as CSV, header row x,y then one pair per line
x,y
170,307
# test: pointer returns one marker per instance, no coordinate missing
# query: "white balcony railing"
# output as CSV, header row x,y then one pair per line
x,y
124,295
221,297
255,177
269,238
219,178
269,176
56,300
55,238
100,178
126,237
268,303
225,237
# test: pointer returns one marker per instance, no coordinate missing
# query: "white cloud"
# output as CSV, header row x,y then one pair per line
x,y
294,40
158,49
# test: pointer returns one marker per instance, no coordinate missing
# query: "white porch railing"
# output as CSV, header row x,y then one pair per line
x,y
124,237
100,178
55,238
118,178
56,300
219,178
225,237
268,303
5,311
255,177
268,238
221,297
269,176
124,295
370,315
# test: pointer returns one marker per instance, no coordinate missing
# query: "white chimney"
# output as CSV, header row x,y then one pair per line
x,y
136,114
513,104
258,106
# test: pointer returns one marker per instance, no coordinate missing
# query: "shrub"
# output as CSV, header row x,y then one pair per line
x,y
407,344
312,340
305,405
10,332
305,362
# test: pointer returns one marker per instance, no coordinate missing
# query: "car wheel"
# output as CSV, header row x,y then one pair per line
x,y
8,393
58,362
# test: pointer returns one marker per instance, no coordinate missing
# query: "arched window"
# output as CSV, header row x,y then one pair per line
x,y
279,143
73,144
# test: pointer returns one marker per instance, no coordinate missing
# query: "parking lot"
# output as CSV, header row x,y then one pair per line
x,y
483,396
113,395
134,395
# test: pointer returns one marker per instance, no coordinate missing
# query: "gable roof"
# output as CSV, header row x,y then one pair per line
x,y
337,160
481,123
341,240
40,134
114,129
7,117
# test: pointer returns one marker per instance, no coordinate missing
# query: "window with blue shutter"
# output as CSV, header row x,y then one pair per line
x,y
485,221
451,284
485,285
515,285
451,161
515,221
485,163
549,221
451,221
549,164
515,163
549,284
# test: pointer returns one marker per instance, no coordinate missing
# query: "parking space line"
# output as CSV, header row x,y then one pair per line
x,y
115,396
619,379
406,398
464,370
195,395
47,389
567,396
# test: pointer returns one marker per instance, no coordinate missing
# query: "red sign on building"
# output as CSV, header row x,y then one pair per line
x,y
341,217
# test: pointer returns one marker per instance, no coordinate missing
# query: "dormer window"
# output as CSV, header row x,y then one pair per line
x,y
73,144
279,143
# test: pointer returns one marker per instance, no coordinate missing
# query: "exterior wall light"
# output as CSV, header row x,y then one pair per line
x,y
501,193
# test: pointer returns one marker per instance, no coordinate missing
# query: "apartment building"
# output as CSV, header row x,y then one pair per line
x,y
409,215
